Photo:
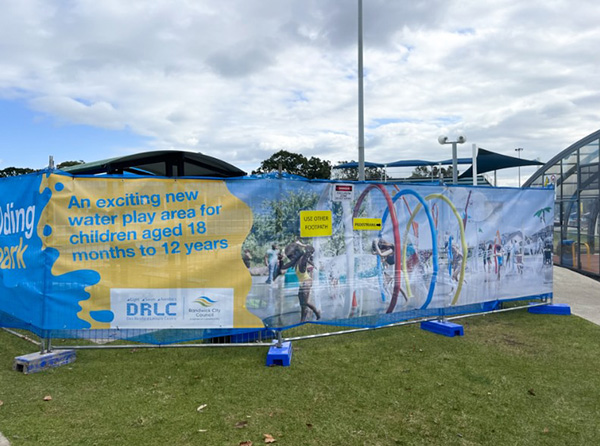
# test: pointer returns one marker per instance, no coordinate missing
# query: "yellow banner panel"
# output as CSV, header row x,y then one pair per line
x,y
367,224
315,224
159,247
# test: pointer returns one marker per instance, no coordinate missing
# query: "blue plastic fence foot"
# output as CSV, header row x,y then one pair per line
x,y
280,355
445,328
558,309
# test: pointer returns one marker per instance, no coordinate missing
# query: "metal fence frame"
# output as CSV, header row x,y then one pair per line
x,y
45,344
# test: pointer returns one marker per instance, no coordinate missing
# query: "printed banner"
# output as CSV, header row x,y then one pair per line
x,y
172,307
149,253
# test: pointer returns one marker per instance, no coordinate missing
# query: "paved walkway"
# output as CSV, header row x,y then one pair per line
x,y
578,291
3,440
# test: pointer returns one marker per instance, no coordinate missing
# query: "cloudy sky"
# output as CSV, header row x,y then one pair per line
x,y
242,79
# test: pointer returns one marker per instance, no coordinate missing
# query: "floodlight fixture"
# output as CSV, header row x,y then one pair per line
x,y
442,139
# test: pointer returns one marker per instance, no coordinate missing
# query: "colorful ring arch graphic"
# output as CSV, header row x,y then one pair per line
x,y
397,241
433,241
462,239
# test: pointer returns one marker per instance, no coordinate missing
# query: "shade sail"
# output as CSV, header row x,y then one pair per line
x,y
414,163
167,163
488,161
354,165
410,163
403,163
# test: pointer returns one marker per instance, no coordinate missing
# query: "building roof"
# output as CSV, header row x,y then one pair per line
x,y
565,153
167,163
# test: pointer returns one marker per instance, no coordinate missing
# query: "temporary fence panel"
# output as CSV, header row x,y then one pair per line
x,y
163,260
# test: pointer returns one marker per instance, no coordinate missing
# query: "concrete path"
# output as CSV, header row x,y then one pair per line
x,y
578,291
3,440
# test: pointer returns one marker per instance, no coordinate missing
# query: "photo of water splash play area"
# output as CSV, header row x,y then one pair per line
x,y
167,260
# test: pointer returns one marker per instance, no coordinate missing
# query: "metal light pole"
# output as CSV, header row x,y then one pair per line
x,y
519,150
460,140
474,168
361,130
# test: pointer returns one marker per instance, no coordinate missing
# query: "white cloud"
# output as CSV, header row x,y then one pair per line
x,y
65,109
242,79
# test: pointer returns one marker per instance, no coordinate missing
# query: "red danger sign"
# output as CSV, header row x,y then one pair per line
x,y
343,192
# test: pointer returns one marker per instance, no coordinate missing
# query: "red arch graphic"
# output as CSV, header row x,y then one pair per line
x,y
397,244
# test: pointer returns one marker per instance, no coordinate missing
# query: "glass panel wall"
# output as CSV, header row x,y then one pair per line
x,y
576,175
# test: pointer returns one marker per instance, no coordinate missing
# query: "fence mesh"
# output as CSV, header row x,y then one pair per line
x,y
162,261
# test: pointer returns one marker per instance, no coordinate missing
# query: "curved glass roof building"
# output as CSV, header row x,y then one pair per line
x,y
575,173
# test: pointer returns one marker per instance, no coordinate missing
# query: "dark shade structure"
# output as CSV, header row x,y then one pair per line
x,y
354,165
403,163
166,163
575,173
414,163
488,161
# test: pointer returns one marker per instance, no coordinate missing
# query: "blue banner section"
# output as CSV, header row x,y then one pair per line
x,y
165,260
30,297
22,266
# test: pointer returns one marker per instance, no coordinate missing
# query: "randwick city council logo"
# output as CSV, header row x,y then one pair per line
x,y
172,307
205,301
204,308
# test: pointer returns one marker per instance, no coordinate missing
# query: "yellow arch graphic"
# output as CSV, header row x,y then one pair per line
x,y
462,239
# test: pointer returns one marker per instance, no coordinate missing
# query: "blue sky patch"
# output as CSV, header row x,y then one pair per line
x,y
29,137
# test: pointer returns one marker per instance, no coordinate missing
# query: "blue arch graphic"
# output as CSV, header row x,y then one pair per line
x,y
433,239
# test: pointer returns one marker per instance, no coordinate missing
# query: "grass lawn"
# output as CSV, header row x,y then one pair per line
x,y
514,378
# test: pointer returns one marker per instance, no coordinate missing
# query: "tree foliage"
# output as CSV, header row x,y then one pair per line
x,y
65,164
14,171
279,221
431,171
296,164
350,174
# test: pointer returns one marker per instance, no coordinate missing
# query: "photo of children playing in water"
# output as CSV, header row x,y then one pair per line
x,y
432,250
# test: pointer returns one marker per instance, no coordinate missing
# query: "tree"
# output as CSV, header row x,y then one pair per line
x,y
296,164
429,172
278,221
350,174
14,171
69,164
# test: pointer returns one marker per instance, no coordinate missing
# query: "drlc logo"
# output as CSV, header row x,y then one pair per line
x,y
148,309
